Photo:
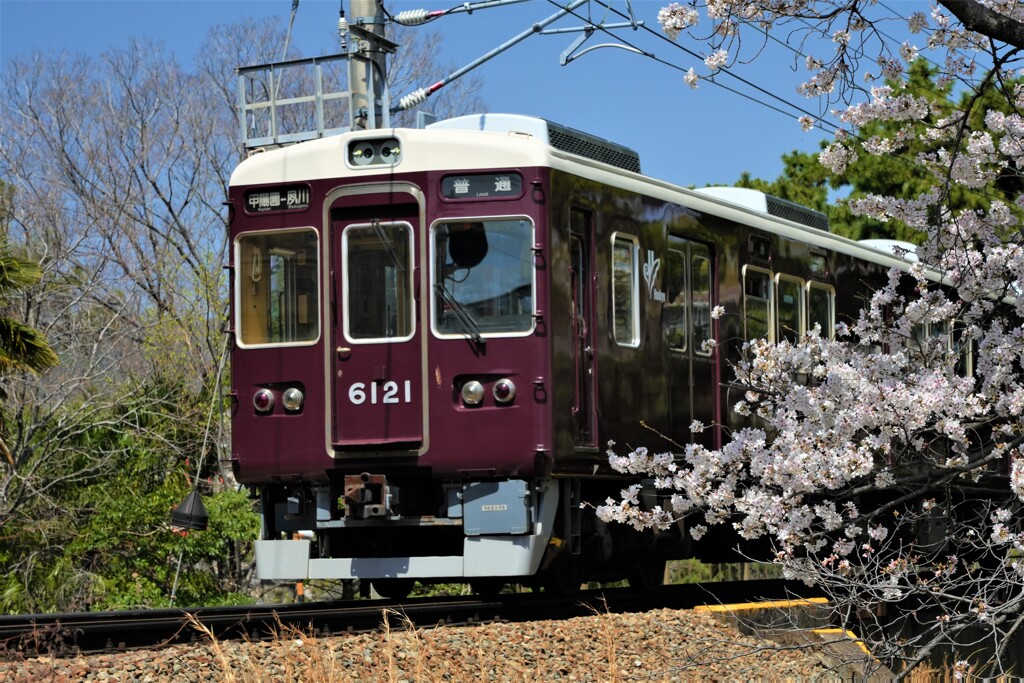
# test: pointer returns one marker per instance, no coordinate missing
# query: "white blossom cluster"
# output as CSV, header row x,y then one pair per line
x,y
676,18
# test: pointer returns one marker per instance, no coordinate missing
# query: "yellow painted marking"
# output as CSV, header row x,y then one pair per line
x,y
846,632
774,604
785,604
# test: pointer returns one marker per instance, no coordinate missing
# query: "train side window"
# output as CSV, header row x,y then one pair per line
x,y
378,282
757,302
821,308
674,310
276,288
817,265
789,308
965,351
951,337
940,331
700,292
759,248
935,332
625,290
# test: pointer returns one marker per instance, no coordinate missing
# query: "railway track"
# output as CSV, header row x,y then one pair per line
x,y
91,632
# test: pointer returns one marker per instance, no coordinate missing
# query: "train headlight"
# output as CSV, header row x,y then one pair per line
x,y
375,152
504,391
263,400
292,399
362,154
472,393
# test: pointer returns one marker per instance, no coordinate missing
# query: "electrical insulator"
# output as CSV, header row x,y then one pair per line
x,y
412,17
413,99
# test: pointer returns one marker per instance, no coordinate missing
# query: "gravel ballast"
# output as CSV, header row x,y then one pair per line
x,y
663,645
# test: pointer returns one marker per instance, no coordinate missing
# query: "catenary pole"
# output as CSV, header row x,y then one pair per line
x,y
367,77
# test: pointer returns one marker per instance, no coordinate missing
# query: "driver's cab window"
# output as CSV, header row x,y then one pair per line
x,y
483,277
277,288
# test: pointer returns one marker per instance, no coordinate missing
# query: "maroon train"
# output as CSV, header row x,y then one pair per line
x,y
438,330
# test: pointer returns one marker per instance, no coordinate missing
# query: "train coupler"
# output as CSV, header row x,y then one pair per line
x,y
368,495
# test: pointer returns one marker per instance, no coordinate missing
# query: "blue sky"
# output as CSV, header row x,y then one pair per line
x,y
691,137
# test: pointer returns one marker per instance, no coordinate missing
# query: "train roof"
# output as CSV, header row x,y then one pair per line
x,y
507,140
558,136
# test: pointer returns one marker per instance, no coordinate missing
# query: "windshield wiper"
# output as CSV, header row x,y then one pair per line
x,y
385,242
469,325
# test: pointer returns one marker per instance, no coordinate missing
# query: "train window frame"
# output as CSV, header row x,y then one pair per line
x,y
249,270
828,332
770,305
408,299
676,306
801,312
632,337
529,256
699,346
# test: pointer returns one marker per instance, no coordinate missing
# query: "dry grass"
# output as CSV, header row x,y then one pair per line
x,y
402,653
951,673
398,653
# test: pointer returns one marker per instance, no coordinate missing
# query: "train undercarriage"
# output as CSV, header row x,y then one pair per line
x,y
395,530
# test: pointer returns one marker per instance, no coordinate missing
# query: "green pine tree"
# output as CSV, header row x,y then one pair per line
x,y
807,182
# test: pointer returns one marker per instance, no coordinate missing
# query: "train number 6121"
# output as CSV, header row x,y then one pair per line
x,y
388,392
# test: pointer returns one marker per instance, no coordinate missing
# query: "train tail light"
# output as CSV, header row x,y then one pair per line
x,y
504,391
263,400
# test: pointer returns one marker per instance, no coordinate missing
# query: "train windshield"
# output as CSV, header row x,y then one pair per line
x,y
483,277
276,300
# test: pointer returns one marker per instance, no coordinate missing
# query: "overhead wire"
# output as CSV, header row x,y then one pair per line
x,y
820,122
764,97
792,108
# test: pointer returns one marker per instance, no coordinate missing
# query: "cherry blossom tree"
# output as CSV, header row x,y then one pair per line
x,y
885,465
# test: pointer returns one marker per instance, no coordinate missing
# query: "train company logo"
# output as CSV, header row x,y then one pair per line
x,y
651,268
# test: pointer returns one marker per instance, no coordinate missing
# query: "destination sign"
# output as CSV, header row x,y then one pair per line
x,y
482,185
277,199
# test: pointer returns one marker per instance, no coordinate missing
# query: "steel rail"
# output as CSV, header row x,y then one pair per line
x,y
91,632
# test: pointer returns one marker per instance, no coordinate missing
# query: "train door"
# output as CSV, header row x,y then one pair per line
x,y
581,277
688,327
377,354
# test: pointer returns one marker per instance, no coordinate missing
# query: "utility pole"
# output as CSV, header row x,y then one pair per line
x,y
367,73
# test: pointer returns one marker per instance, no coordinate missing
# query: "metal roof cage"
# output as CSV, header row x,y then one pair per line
x,y
303,99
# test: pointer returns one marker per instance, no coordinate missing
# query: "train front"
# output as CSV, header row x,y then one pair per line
x,y
391,363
